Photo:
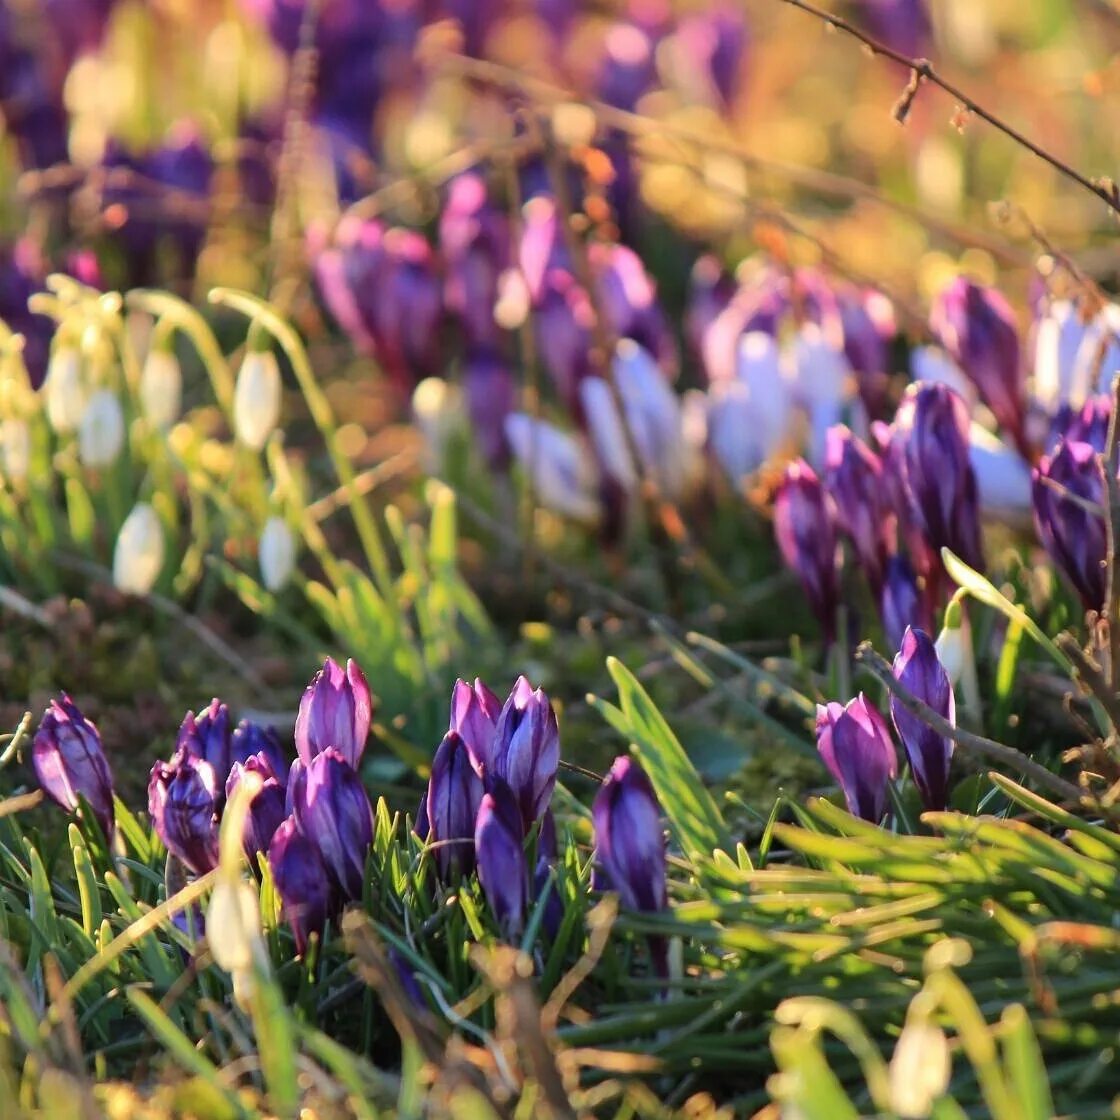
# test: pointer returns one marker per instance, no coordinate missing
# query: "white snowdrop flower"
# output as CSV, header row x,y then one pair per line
x,y
101,432
736,438
276,554
256,399
1002,477
823,379
161,388
65,390
1059,377
920,1069
437,409
15,445
138,556
562,469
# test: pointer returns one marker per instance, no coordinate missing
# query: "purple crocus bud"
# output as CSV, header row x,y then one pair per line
x,y
332,809
69,761
932,431
904,25
1089,424
710,292
855,744
491,396
919,670
423,826
335,711
1074,537
454,794
541,249
868,322
854,479
805,525
498,840
266,811
474,716
23,272
250,739
527,749
563,321
627,68
207,736
183,801
302,882
712,43
977,327
629,841
900,602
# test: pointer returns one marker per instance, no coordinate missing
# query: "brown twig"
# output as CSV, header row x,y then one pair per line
x,y
922,69
881,669
1111,463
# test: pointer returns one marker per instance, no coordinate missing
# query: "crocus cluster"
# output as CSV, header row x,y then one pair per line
x,y
490,788
855,741
311,819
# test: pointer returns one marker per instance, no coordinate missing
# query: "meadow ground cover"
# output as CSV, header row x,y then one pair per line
x,y
559,559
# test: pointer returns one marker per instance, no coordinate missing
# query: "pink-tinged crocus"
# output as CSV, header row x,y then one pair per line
x,y
69,761
805,525
502,868
855,744
919,670
1064,484
977,326
335,711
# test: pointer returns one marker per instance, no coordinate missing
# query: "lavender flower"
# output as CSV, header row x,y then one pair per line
x,y
207,736
302,881
498,839
454,795
855,744
474,716
335,711
250,739
900,603
527,749
183,801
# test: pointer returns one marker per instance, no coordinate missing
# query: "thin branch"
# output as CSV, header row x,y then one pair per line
x,y
880,668
1112,530
921,69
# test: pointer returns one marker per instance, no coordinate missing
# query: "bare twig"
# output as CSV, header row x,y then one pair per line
x,y
880,668
1111,462
923,70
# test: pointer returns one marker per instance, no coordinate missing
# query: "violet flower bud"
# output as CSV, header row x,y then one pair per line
x,y
903,25
335,711
183,801
1089,424
919,670
423,826
527,750
491,396
868,322
250,739
853,478
932,430
474,716
1074,537
69,761
332,809
855,744
302,882
900,602
502,870
563,320
207,736
805,525
977,326
267,810
454,794
629,841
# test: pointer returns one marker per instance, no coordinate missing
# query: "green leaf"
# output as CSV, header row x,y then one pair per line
x,y
1026,1068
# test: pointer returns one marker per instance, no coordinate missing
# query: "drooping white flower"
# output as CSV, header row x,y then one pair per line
x,y
920,1069
561,468
277,554
256,398
15,445
65,390
437,409
101,431
161,388
138,556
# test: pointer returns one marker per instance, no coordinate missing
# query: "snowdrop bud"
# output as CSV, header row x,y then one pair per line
x,y
101,432
138,557
161,388
277,554
15,445
950,644
919,1070
437,408
256,399
66,393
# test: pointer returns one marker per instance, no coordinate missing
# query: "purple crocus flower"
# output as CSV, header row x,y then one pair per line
x,y
541,248
268,808
491,397
900,602
23,272
474,716
1074,537
1088,424
454,794
629,841
207,736
903,25
931,429
502,869
302,881
335,711
855,744
423,826
184,797
527,749
868,322
562,322
977,327
854,479
918,669
250,739
710,292
332,809
69,761
805,525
